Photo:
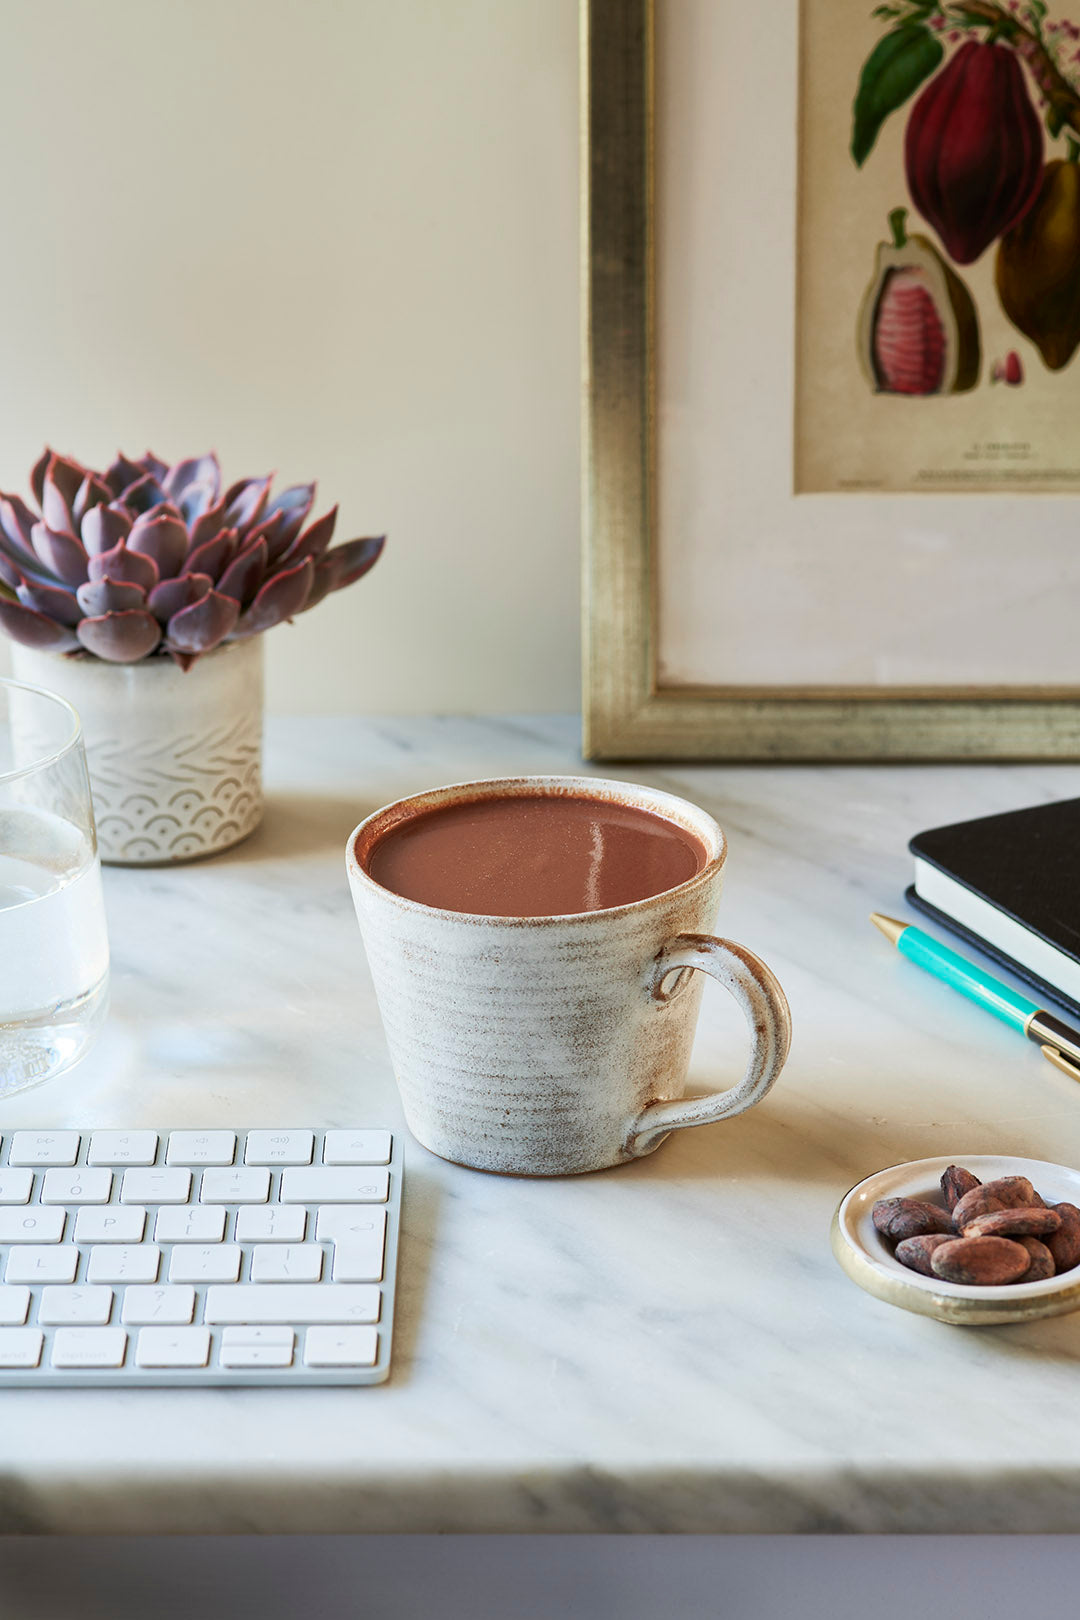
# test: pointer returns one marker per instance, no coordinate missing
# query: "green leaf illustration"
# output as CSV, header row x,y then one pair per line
x,y
893,71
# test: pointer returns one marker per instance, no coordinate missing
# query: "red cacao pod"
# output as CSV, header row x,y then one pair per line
x,y
974,149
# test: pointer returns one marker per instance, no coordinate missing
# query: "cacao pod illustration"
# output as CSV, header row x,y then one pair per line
x,y
973,149
1038,266
918,330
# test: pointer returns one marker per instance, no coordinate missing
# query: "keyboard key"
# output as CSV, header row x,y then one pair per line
x,y
155,1187
270,1223
257,1347
359,1239
323,1186
194,1223
287,1262
122,1147
279,1147
172,1347
14,1304
123,1263
221,1263
341,1347
20,1347
88,1347
76,1187
44,1147
171,1305
288,1302
30,1264
356,1147
116,1224
201,1147
87,1305
246,1184
32,1225
16,1186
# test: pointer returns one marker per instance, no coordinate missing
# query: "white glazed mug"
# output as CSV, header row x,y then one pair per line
x,y
548,1046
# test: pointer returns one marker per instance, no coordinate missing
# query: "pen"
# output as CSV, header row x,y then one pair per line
x,y
1059,1043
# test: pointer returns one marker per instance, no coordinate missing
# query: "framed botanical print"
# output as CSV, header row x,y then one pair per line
x,y
832,313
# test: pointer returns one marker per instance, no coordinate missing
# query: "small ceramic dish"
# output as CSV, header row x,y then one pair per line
x,y
868,1259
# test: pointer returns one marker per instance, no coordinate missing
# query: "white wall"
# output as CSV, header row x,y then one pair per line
x,y
338,238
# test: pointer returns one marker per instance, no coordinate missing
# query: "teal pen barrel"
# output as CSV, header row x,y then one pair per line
x,y
964,976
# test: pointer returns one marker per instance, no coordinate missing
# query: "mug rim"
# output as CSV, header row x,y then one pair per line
x,y
692,819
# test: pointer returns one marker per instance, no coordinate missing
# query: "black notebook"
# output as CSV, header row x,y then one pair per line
x,y
1010,884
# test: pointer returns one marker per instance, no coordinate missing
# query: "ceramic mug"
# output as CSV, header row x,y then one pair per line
x,y
548,1046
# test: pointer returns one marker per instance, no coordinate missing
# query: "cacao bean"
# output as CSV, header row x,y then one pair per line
x,y
973,149
900,1218
973,1204
1013,1223
1042,1261
955,1183
915,1252
1014,1192
918,331
983,1262
1064,1244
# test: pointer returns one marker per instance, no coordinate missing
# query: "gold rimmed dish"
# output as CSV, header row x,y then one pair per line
x,y
868,1260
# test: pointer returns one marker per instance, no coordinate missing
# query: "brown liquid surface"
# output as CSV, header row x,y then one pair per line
x,y
534,856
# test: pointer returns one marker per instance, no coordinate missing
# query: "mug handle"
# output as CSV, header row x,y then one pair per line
x,y
765,1006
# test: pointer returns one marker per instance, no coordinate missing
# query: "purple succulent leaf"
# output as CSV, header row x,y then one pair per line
x,y
351,562
314,540
201,470
67,475
100,596
294,504
196,499
125,567
17,521
37,473
213,556
121,638
142,496
154,466
270,530
50,599
245,507
207,524
9,574
200,628
55,508
62,554
163,536
35,629
27,566
320,586
280,598
92,492
122,474
172,595
245,573
104,527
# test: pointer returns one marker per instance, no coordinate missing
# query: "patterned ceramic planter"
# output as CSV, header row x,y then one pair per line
x,y
175,757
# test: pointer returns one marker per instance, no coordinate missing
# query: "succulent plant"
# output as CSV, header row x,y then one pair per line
x,y
146,560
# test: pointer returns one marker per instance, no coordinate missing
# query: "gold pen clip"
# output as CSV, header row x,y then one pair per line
x,y
1058,1059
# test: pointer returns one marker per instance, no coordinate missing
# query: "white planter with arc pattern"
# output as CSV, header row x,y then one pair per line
x,y
175,756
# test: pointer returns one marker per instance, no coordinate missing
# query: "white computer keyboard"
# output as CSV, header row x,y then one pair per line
x,y
211,1256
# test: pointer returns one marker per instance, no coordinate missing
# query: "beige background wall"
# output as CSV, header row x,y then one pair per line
x,y
338,238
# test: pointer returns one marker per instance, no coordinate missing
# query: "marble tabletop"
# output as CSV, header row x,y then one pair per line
x,y
668,1346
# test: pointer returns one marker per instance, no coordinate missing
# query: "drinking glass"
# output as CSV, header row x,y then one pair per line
x,y
54,951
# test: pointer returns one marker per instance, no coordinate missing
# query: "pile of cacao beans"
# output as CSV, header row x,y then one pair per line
x,y
987,1233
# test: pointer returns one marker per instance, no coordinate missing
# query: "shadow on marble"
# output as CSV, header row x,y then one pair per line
x,y
302,824
419,1232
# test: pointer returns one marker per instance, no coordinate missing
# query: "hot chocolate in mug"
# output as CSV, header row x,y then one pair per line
x,y
550,1042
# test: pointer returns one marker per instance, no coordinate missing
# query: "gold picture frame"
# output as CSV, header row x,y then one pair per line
x,y
628,713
